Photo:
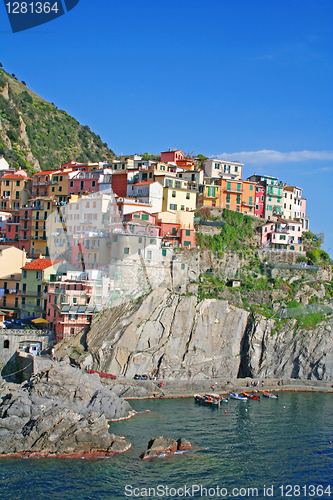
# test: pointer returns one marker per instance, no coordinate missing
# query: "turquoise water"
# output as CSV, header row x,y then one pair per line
x,y
267,445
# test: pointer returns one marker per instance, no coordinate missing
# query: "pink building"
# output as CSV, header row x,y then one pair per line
x,y
282,235
83,182
172,156
68,309
259,207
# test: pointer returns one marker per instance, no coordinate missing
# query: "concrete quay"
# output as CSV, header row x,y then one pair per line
x,y
187,388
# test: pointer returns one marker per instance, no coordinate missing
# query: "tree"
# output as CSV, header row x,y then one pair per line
x,y
1,65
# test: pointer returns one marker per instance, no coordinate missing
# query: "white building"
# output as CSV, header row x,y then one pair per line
x,y
149,192
226,169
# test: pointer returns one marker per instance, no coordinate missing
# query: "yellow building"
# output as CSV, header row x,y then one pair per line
x,y
42,208
209,193
176,195
10,301
15,190
58,186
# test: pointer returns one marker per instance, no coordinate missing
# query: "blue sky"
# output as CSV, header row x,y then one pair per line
x,y
249,80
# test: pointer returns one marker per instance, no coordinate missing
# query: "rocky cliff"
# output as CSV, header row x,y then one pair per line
x,y
176,336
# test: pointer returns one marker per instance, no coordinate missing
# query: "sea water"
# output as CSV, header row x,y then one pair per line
x,y
255,449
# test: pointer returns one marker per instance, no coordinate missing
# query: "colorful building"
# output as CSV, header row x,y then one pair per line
x,y
36,277
10,299
172,156
223,168
282,235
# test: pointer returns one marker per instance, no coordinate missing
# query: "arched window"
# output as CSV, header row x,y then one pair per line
x,y
6,344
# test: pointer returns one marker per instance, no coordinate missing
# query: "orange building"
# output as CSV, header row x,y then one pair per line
x,y
237,195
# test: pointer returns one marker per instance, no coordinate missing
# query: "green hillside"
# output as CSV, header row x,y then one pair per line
x,y
36,135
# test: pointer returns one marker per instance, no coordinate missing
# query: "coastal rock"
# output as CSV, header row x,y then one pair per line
x,y
164,446
61,432
61,412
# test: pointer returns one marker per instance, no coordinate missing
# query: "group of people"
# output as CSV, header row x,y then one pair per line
x,y
257,384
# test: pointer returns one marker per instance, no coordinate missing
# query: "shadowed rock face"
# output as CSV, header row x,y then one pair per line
x,y
175,337
64,412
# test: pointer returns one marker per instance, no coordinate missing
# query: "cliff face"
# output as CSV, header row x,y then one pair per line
x,y
172,335
304,354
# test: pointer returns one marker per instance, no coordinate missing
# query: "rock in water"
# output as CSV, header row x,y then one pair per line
x,y
164,446
61,412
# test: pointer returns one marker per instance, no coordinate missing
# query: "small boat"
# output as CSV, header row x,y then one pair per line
x,y
208,399
234,395
270,395
250,396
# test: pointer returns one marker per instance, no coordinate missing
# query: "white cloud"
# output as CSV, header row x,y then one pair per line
x,y
271,156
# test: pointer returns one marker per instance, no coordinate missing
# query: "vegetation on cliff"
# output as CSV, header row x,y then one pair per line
x,y
35,134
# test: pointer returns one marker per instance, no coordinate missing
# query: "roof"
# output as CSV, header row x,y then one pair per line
x,y
45,172
40,264
144,182
15,177
12,277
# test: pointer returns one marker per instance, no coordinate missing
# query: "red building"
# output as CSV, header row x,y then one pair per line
x,y
172,156
259,207
119,184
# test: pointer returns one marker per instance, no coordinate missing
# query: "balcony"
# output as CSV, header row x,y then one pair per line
x,y
233,191
26,293
39,184
247,204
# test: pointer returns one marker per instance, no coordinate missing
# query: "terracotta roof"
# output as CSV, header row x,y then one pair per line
x,y
15,177
47,172
40,264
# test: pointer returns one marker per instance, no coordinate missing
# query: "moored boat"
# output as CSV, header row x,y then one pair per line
x,y
234,395
208,399
270,395
250,396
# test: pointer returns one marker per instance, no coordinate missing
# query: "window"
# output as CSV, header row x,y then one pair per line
x,y
182,266
145,217
188,232
17,183
228,186
4,301
236,169
174,230
38,302
115,238
173,206
39,275
182,207
188,195
152,241
93,183
60,178
187,244
251,187
16,302
140,239
74,300
164,252
17,195
149,254
174,194
139,251
6,344
71,184
60,188
227,206
126,251
239,187
52,189
238,199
